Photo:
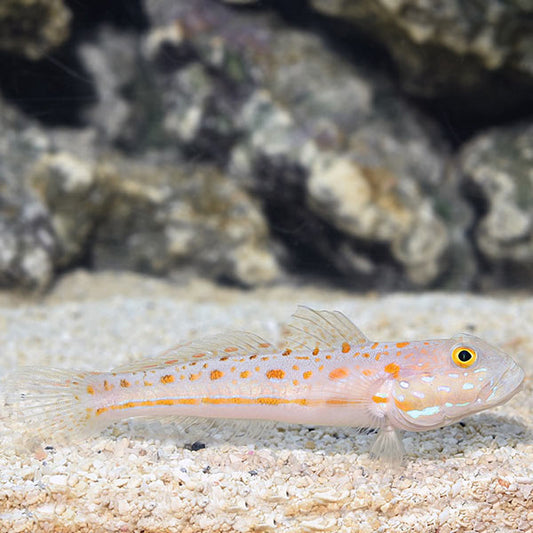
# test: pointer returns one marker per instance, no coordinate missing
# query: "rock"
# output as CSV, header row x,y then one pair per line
x,y
164,219
27,241
67,185
445,44
32,28
308,133
112,59
498,169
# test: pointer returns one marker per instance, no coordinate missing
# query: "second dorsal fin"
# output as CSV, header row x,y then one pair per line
x,y
323,329
235,343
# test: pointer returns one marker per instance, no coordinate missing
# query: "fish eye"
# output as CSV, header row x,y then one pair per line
x,y
463,356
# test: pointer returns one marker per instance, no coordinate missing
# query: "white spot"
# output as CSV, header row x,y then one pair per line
x,y
419,394
443,388
428,379
404,384
448,404
427,411
453,375
400,397
480,370
468,386
381,395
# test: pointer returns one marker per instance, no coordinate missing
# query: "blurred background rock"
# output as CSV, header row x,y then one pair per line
x,y
369,144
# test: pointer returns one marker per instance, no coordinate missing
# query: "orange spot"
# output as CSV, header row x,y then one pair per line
x,y
204,365
216,374
367,372
295,367
379,399
194,377
265,358
124,383
90,389
316,351
225,358
304,358
320,368
307,374
426,343
252,357
374,346
366,354
405,405
409,355
245,374
147,384
402,344
230,349
257,368
328,357
264,345
378,355
171,362
295,382
392,368
338,373
288,351
345,347
194,363
168,378
107,386
275,374
232,369
199,354
182,377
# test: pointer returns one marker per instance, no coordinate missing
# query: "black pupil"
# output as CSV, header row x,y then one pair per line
x,y
464,356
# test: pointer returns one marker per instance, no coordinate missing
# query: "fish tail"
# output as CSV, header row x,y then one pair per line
x,y
47,404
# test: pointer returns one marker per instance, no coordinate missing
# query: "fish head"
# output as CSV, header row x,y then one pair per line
x,y
464,375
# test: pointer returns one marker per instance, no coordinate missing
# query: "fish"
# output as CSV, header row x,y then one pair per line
x,y
327,372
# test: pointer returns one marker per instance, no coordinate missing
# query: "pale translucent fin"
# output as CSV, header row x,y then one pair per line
x,y
235,343
324,329
46,404
388,446
199,428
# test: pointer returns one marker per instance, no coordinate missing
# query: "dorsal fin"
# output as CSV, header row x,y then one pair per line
x,y
323,329
235,343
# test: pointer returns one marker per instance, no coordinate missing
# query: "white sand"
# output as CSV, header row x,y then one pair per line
x,y
138,476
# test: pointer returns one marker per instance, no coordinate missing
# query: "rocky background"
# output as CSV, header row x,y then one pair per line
x,y
366,143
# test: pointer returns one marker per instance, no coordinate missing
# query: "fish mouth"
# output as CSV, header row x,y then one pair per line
x,y
505,387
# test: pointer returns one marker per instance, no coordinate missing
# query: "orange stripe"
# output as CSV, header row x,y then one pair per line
x,y
222,401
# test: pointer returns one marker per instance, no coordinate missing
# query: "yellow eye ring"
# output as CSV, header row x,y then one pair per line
x,y
463,356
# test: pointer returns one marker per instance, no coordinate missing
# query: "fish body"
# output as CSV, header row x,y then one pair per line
x,y
328,373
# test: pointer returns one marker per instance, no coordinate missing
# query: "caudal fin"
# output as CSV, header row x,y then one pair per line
x,y
47,404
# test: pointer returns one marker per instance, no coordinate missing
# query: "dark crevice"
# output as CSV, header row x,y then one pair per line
x,y
55,89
